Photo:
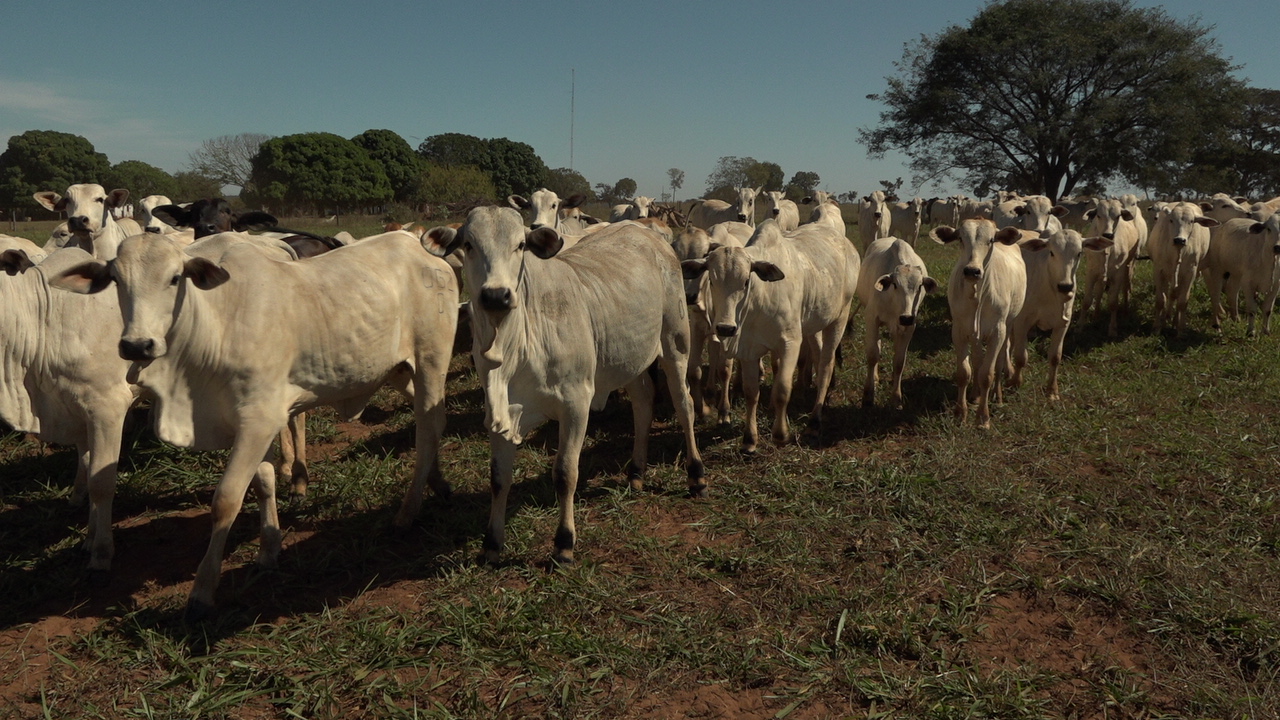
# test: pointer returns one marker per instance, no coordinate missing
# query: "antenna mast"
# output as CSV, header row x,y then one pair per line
x,y
573,87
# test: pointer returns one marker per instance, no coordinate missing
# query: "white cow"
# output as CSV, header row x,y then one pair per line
x,y
1130,203
706,213
801,294
905,219
1110,270
227,362
61,376
1245,257
693,243
88,208
1051,264
784,211
891,287
556,331
1179,247
633,210
986,292
827,212
149,222
550,211
1036,213
873,218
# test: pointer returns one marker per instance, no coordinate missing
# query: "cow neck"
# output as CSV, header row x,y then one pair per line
x,y
513,323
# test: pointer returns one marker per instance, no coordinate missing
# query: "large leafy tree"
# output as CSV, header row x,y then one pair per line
x,y
731,172
512,166
140,179
1240,157
566,183
39,160
402,166
1047,95
802,184
227,158
190,186
317,171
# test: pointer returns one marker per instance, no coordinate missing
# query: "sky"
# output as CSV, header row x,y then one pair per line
x,y
655,85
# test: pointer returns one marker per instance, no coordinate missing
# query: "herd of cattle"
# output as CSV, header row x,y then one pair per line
x,y
204,322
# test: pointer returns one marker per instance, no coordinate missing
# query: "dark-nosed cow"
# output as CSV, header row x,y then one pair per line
x,y
555,331
1110,270
782,210
986,292
891,286
873,218
89,220
634,209
777,295
227,361
550,211
1051,264
1179,246
692,243
905,219
1245,257
706,213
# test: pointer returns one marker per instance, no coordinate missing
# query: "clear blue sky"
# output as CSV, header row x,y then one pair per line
x,y
659,84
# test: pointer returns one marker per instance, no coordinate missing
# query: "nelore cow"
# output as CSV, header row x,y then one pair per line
x,y
1244,257
986,292
1110,270
892,284
227,360
1179,246
784,211
556,330
706,213
90,223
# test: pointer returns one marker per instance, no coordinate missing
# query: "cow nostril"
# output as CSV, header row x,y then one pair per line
x,y
973,272
1276,249
724,330
907,320
1066,287
137,349
1109,236
495,299
1179,241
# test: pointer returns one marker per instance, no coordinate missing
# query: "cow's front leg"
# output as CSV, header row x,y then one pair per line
x,y
573,431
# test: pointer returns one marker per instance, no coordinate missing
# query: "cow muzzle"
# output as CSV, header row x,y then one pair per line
x,y
1180,241
1066,288
742,218
726,331
906,320
79,223
499,299
776,212
203,231
139,349
973,272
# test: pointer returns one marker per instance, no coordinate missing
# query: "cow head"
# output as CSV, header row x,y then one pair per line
x,y
1270,226
977,237
149,221
903,290
1107,216
1062,252
746,204
496,243
547,207
643,205
774,199
211,216
1180,222
88,207
150,274
1035,213
729,272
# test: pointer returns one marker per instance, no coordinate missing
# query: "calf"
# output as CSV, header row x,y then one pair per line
x,y
1179,245
986,292
1051,264
892,284
1245,257
776,295
228,361
556,331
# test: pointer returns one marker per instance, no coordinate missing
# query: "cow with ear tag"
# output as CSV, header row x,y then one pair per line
x,y
555,330
986,291
891,287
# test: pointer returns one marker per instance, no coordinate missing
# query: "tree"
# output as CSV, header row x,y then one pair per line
x,y
606,194
140,179
39,160
189,186
624,189
454,149
1043,96
227,158
402,166
675,177
566,183
1241,157
733,172
891,187
802,185
765,175
317,171
446,189
512,166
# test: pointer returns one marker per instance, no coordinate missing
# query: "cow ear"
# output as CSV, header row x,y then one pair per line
x,y
574,201
929,284
1207,222
172,215
1206,206
1034,244
1097,244
51,201
517,202
1008,236
252,220
440,241
543,242
884,282
1090,214
1126,215
87,278
14,261
767,271
944,234
713,247
1058,211
806,200
205,274
1020,210
117,197
1254,228
693,269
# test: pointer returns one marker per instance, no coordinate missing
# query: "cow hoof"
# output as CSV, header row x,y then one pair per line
x,y
489,557
636,484
79,498
197,612
698,491
562,557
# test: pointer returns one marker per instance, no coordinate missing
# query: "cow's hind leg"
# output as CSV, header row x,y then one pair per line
x,y
429,414
640,390
293,455
573,431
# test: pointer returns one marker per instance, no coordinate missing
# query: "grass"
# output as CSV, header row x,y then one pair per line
x,y
1110,555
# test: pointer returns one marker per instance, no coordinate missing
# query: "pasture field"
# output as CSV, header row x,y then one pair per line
x,y
1110,555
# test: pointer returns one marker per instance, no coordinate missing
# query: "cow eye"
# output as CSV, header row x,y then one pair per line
x,y
466,245
102,200
520,247
176,279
